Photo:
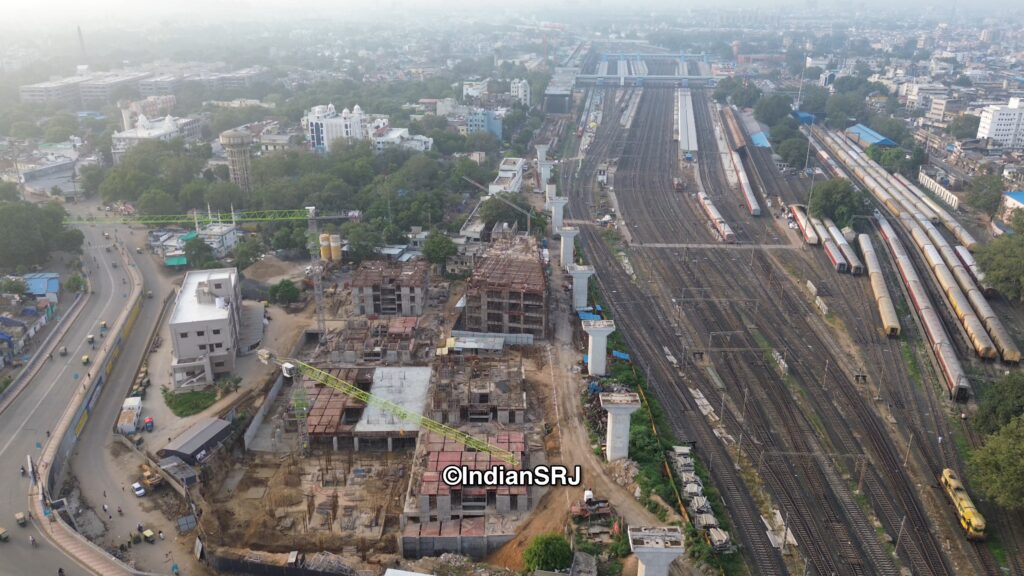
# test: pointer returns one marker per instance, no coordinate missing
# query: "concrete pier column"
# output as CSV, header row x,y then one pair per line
x,y
655,548
542,152
580,276
550,191
568,245
557,206
619,405
545,172
597,348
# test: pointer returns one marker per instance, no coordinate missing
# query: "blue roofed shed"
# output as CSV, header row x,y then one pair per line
x,y
804,117
43,285
865,137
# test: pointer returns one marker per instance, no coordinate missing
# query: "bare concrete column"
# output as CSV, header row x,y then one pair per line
x,y
597,350
568,245
557,206
655,548
619,405
580,277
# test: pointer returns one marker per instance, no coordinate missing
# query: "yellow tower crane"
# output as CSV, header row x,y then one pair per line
x,y
290,367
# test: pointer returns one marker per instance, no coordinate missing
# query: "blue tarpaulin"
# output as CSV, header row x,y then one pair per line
x,y
588,316
804,117
621,355
760,140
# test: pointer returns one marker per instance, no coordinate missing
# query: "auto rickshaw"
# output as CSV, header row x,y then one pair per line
x,y
103,326
90,338
63,350
19,517
148,536
149,293
4,536
85,360
138,250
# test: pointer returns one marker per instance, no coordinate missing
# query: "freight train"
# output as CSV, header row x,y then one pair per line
x,y
732,126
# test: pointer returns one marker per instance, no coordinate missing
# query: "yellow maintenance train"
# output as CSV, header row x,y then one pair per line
x,y
972,521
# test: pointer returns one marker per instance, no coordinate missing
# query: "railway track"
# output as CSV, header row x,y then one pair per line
x,y
643,331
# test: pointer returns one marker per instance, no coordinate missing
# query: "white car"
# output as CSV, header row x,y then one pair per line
x,y
138,489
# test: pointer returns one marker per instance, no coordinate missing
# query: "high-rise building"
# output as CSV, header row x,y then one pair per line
x,y
238,146
166,129
521,91
1004,124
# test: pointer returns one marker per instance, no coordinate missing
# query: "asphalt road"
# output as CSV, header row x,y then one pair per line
x,y
24,424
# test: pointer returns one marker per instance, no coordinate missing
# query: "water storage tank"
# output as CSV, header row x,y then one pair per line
x,y
325,246
336,247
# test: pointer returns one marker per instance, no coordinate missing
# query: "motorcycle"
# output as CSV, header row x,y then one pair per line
x,y
32,539
22,470
119,511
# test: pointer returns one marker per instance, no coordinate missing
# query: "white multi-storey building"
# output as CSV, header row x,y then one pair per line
x,y
1004,124
510,176
205,326
323,125
168,128
521,91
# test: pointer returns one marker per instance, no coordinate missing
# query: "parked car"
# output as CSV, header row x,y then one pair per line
x,y
138,490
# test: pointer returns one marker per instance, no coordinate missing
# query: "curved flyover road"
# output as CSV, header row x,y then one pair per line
x,y
42,402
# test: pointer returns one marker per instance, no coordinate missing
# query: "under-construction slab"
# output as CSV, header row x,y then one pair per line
x,y
478,390
405,387
365,341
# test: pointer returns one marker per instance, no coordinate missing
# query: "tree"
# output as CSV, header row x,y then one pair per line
x,y
998,466
9,192
493,211
198,252
548,552
771,109
964,127
13,286
157,202
1002,402
986,192
91,177
247,251
845,109
23,234
284,292
836,199
74,284
1002,260
438,248
69,240
794,152
124,183
363,240
813,100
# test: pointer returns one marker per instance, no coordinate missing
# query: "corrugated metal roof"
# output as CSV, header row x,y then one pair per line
x,y
864,134
175,261
198,437
42,283
1017,196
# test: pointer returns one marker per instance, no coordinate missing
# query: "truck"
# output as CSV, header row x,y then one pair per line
x,y
134,404
151,479
588,508
128,421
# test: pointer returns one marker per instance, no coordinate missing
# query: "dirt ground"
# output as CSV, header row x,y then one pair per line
x,y
556,382
272,270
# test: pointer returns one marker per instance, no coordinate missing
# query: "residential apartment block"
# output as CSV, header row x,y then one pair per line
x,y
507,293
324,125
510,176
168,128
390,289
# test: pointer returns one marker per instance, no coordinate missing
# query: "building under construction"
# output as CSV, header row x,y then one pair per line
x,y
390,289
478,390
507,293
389,341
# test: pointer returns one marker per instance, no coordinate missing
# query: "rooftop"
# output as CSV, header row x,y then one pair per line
x,y
195,302
868,136
406,387
1017,196
620,398
655,537
377,273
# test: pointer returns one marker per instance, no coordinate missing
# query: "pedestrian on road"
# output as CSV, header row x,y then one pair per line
x,y
122,487
105,508
161,534
104,493
110,516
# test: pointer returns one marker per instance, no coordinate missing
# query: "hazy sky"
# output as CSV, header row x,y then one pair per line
x,y
48,13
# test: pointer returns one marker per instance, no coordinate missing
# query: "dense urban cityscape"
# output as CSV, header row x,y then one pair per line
x,y
460,288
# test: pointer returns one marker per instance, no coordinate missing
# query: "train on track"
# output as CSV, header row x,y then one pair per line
x,y
721,227
856,268
835,256
953,374
886,310
971,520
810,236
748,193
732,126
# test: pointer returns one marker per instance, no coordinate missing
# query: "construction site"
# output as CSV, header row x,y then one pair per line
x,y
347,455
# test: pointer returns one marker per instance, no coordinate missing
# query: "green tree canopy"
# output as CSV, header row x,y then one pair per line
x,y
9,192
813,100
363,240
198,253
30,232
74,284
985,193
438,248
998,466
285,292
548,552
794,152
13,286
844,110
1002,260
836,199
493,211
247,251
771,109
964,127
91,177
157,202
1002,402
